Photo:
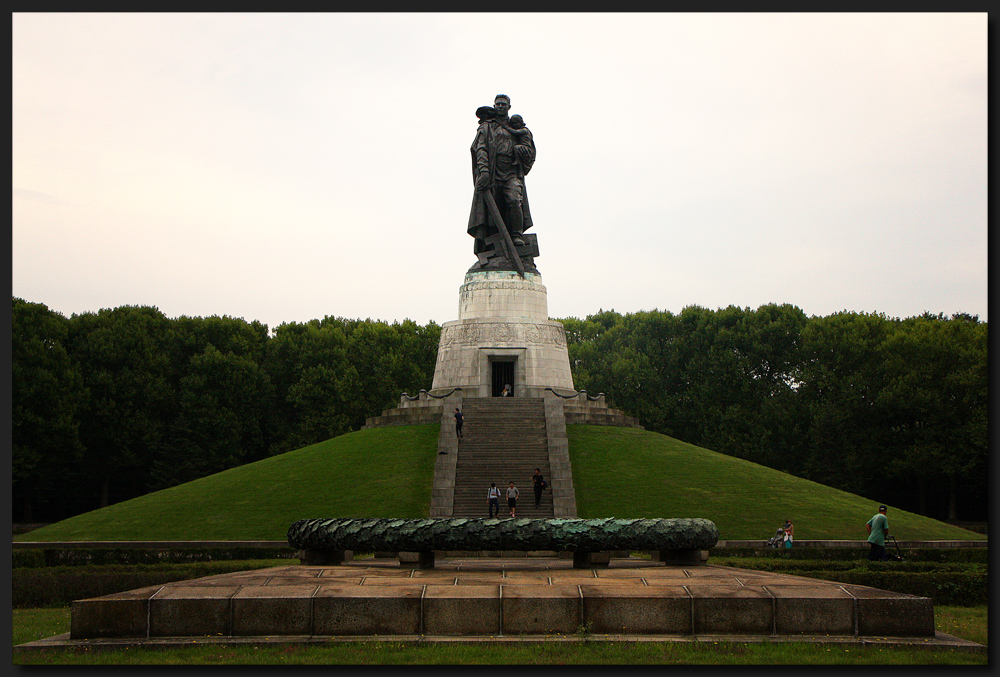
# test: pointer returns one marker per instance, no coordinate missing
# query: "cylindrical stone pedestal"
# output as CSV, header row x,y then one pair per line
x,y
502,332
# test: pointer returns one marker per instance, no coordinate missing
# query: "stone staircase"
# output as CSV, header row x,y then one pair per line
x,y
504,440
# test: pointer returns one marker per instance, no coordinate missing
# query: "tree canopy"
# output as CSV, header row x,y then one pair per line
x,y
113,404
891,409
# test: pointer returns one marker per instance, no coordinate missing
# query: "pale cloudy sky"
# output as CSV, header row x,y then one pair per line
x,y
285,167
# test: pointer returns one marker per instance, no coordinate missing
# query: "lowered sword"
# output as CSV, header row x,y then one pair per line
x,y
502,227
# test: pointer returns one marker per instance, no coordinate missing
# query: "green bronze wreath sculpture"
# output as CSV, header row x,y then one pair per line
x,y
458,533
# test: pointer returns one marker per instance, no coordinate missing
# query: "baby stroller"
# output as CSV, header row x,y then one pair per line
x,y
776,540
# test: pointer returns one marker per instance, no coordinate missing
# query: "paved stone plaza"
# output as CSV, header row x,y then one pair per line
x,y
503,599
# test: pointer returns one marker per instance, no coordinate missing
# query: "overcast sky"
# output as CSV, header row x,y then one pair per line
x,y
286,167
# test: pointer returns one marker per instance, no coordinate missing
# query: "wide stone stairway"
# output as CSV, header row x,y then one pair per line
x,y
504,441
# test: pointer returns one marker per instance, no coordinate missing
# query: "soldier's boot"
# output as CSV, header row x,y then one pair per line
x,y
515,223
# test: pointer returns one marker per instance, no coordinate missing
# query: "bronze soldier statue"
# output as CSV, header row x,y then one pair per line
x,y
503,152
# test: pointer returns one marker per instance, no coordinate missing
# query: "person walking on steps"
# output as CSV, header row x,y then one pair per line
x,y
493,499
512,493
538,484
878,531
459,420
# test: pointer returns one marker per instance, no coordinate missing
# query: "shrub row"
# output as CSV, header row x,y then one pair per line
x,y
950,583
944,588
797,567
855,554
30,557
59,585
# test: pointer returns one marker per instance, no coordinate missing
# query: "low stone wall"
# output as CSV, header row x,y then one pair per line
x,y
578,407
410,416
581,408
415,409
594,416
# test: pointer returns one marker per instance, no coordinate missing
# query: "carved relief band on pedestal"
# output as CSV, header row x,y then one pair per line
x,y
503,334
519,285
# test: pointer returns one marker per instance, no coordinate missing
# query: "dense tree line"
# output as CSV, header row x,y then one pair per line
x,y
114,404
894,410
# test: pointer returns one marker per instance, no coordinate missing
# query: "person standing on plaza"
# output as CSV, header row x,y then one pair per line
x,y
512,494
878,531
493,499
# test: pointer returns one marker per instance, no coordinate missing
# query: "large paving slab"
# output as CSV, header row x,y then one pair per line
x,y
476,599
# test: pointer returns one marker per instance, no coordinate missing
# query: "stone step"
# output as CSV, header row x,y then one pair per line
x,y
473,442
479,492
520,456
509,427
509,443
519,474
513,471
473,433
513,460
481,449
503,440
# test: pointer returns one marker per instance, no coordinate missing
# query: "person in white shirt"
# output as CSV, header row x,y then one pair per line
x,y
493,499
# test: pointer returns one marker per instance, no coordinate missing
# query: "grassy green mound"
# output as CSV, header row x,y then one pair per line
x,y
625,472
388,472
380,472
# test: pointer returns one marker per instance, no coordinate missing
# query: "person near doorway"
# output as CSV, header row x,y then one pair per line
x,y
512,494
493,499
506,391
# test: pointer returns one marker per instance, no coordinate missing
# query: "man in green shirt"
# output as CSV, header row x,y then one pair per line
x,y
878,531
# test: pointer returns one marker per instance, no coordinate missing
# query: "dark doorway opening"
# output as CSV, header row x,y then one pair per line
x,y
503,375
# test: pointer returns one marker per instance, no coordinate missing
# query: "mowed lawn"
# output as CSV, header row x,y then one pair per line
x,y
382,472
627,472
388,472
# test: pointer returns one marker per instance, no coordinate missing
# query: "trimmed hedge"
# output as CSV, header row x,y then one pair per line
x,y
944,588
59,585
949,583
801,567
28,558
980,555
948,576
44,557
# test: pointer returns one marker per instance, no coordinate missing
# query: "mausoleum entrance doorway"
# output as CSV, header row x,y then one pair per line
x,y
502,372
